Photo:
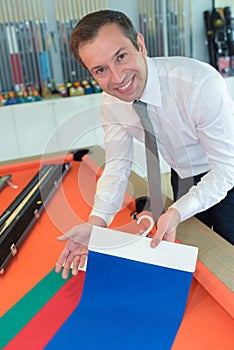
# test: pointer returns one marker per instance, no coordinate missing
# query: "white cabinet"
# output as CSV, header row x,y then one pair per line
x,y
78,121
57,125
49,126
34,126
9,142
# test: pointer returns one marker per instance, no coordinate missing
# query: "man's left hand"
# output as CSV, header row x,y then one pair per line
x,y
166,227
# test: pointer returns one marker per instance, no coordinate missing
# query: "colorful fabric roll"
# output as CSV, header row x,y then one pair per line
x,y
42,327
27,307
134,296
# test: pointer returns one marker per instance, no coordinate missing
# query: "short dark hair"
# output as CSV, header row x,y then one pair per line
x,y
88,27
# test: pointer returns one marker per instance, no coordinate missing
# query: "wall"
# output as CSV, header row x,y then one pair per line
x,y
200,50
25,129
199,47
130,7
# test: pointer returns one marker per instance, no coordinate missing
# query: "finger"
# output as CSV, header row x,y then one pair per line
x,y
157,238
62,238
58,267
83,260
67,266
66,270
155,241
170,237
75,265
62,258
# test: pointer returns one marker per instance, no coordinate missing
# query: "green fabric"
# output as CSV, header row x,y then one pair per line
x,y
27,307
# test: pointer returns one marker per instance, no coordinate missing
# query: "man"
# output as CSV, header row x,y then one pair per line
x,y
193,121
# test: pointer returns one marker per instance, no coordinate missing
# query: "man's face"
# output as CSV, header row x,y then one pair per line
x,y
115,63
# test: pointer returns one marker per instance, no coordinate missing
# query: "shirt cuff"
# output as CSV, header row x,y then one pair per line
x,y
187,206
107,217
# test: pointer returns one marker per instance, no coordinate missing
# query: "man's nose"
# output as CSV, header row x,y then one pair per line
x,y
117,75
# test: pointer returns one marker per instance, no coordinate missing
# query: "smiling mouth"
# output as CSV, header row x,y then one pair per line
x,y
126,86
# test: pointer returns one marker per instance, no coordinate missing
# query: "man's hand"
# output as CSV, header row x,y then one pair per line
x,y
76,250
166,227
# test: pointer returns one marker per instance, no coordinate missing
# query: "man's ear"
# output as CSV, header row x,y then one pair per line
x,y
141,44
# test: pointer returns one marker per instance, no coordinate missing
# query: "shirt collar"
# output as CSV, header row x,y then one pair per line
x,y
152,93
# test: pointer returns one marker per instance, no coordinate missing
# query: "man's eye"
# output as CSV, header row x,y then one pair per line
x,y
100,70
121,57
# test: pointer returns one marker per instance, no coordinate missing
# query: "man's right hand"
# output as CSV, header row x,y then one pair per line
x,y
76,249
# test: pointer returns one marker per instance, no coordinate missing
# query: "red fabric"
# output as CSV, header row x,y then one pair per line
x,y
45,324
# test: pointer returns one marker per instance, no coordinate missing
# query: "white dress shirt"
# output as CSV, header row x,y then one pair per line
x,y
193,118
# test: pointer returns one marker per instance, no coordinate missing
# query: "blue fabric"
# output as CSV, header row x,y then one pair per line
x,y
125,305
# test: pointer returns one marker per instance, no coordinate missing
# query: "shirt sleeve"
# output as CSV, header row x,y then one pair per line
x,y
111,186
212,111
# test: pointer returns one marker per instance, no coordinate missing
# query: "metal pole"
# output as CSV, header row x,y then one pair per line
x,y
5,67
43,36
59,28
28,11
70,24
13,50
26,69
78,67
27,34
191,27
45,91
158,28
149,20
67,39
164,28
64,41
